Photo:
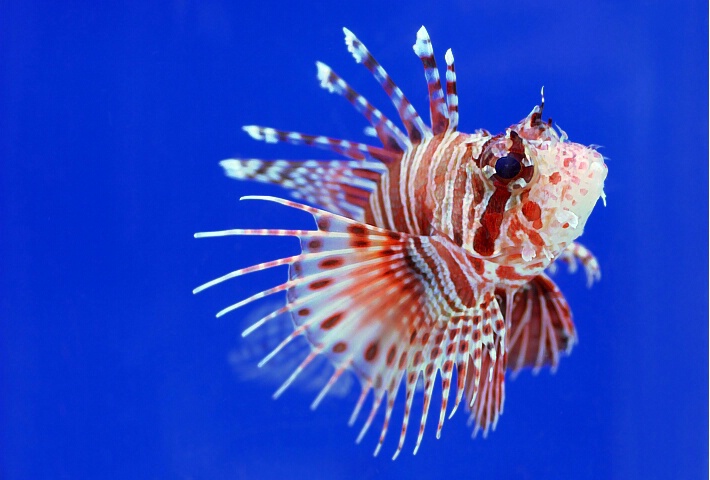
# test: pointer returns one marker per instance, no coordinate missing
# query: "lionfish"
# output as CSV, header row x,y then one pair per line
x,y
430,251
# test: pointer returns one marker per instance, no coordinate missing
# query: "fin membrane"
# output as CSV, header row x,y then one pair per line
x,y
541,328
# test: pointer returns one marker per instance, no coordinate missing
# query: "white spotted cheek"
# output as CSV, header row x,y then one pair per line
x,y
583,174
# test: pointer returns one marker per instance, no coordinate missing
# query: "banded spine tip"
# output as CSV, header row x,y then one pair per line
x,y
449,57
253,131
323,75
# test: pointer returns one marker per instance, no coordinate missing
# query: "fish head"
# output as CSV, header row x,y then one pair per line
x,y
537,191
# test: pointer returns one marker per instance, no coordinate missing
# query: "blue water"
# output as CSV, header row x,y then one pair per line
x,y
112,121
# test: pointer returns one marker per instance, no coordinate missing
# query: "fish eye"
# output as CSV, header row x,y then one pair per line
x,y
507,167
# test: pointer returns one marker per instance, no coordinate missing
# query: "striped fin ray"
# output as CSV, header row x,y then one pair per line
x,y
452,97
339,186
391,137
486,404
541,329
416,129
485,374
370,300
437,105
353,150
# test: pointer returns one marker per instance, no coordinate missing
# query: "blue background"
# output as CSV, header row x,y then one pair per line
x,y
112,121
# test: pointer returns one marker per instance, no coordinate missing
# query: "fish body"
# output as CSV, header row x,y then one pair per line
x,y
430,250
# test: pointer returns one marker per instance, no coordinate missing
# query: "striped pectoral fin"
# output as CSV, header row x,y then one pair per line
x,y
541,326
372,301
244,357
339,186
485,373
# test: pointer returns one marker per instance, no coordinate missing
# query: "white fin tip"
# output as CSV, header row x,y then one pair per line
x,y
449,57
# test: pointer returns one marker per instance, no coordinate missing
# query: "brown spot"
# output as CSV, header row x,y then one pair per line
x,y
499,325
297,269
315,244
323,223
466,329
386,252
425,338
331,262
360,243
394,235
371,351
391,353
402,360
439,339
413,337
555,178
435,352
340,347
447,366
318,284
356,229
476,335
303,312
450,349
463,346
331,321
487,329
417,359
429,370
